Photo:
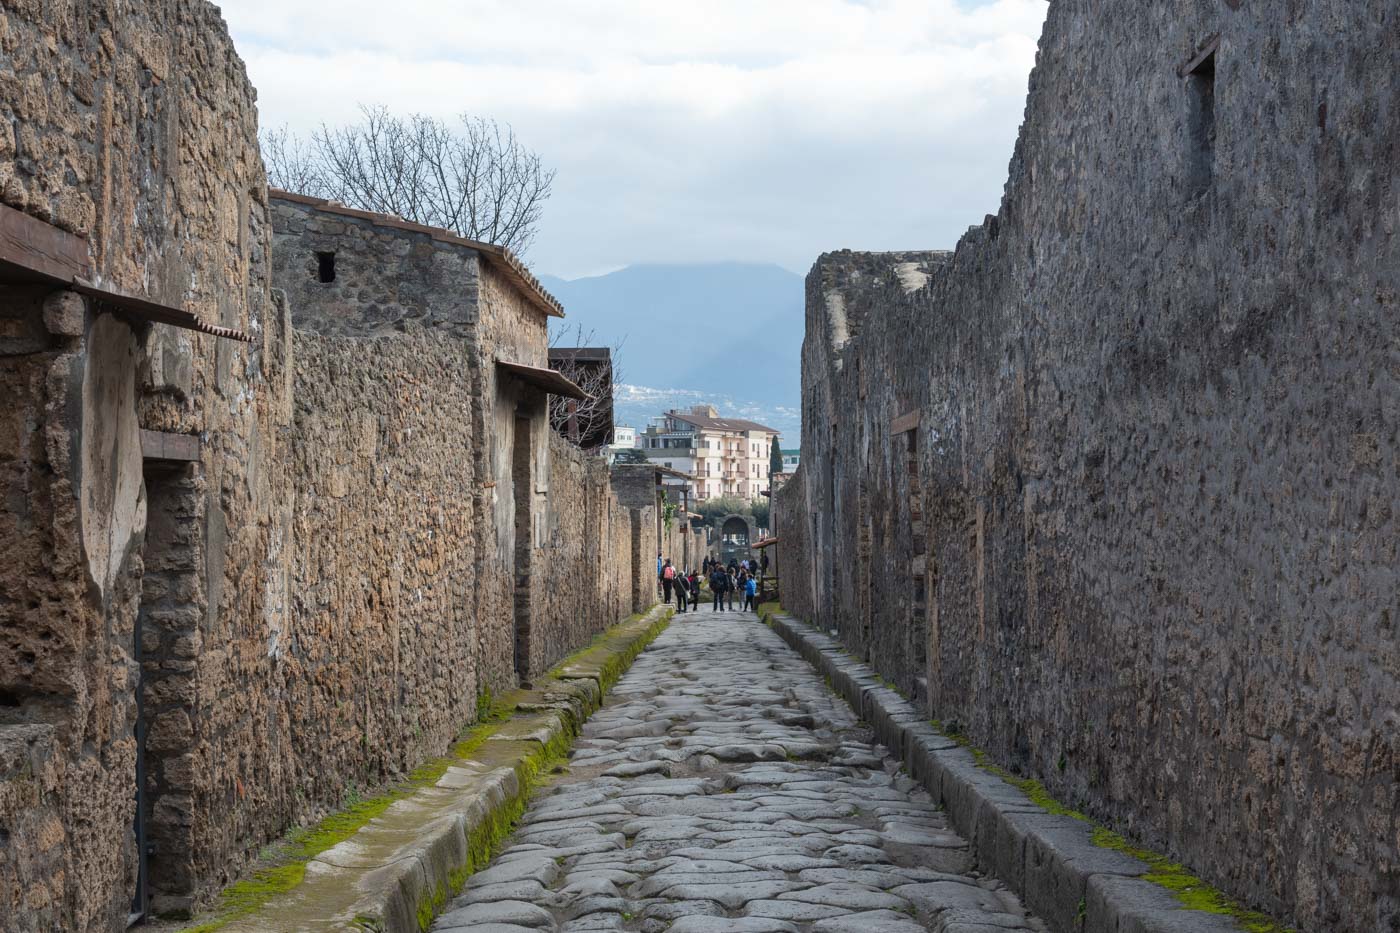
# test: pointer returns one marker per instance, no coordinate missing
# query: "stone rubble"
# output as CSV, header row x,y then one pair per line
x,y
725,788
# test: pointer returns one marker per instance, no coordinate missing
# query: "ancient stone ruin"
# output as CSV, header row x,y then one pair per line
x,y
1111,490
277,478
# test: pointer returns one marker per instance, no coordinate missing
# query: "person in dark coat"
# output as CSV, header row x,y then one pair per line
x,y
694,581
668,578
719,582
682,588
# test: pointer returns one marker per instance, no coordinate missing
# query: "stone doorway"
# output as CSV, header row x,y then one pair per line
x,y
168,639
522,489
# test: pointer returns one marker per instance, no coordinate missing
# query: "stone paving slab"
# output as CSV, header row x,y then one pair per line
x,y
399,869
724,788
1073,885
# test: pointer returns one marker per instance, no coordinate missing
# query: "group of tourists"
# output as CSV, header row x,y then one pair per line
x,y
739,576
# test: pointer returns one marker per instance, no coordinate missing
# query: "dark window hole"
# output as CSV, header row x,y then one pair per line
x,y
325,267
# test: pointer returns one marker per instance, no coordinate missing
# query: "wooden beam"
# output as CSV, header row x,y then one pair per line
x,y
1210,48
29,245
908,421
160,445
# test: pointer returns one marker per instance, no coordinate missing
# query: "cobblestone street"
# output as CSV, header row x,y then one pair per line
x,y
724,788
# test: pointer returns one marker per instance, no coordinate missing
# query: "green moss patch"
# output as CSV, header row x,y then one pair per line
x,y
1191,892
284,862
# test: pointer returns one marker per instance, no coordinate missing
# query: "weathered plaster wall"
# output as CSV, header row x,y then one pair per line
x,y
1156,469
132,125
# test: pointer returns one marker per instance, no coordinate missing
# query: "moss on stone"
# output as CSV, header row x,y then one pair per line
x,y
290,855
1029,786
1190,891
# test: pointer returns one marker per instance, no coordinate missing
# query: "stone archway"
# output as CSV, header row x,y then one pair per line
x,y
736,538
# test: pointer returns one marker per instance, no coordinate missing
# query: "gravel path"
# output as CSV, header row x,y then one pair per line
x,y
724,788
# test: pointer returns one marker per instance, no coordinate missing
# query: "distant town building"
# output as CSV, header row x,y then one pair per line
x,y
791,460
623,449
727,456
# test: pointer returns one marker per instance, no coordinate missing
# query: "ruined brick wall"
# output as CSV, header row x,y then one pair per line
x,y
685,547
378,669
383,280
583,565
1154,470
132,125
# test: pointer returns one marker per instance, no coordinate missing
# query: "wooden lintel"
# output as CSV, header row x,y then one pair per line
x,y
28,245
905,422
160,445
1210,48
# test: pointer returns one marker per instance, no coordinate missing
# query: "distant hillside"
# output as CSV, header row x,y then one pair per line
x,y
729,334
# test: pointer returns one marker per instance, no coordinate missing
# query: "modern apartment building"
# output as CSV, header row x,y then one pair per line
x,y
727,456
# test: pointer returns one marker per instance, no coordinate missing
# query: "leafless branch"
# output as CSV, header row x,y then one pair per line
x,y
583,419
476,180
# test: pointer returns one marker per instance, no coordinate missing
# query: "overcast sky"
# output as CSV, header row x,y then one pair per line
x,y
756,130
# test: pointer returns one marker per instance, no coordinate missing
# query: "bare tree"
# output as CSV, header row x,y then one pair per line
x,y
582,421
476,179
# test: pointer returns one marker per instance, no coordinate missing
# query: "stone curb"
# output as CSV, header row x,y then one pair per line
x,y
401,868
1049,860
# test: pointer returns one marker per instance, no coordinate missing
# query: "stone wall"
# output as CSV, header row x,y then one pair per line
x,y
315,601
583,565
379,669
1114,489
133,126
383,279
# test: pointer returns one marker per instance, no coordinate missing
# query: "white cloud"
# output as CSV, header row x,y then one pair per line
x,y
766,130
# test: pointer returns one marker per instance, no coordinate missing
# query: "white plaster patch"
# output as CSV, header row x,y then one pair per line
x,y
837,328
911,276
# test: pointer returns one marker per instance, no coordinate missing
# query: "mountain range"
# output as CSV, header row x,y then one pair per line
x,y
727,334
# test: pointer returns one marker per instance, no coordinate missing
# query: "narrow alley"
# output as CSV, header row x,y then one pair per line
x,y
724,787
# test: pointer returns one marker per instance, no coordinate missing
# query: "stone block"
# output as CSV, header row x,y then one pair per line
x,y
1059,860
65,314
1117,904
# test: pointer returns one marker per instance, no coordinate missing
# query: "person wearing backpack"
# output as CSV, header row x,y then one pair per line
x,y
682,586
750,592
668,578
719,581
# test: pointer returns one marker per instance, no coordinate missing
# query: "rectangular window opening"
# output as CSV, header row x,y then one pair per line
x,y
1200,121
325,267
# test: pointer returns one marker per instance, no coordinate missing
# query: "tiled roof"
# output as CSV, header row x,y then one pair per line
x,y
506,262
705,422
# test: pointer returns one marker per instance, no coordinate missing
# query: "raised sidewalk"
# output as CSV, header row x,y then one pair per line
x,y
400,868
1052,860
